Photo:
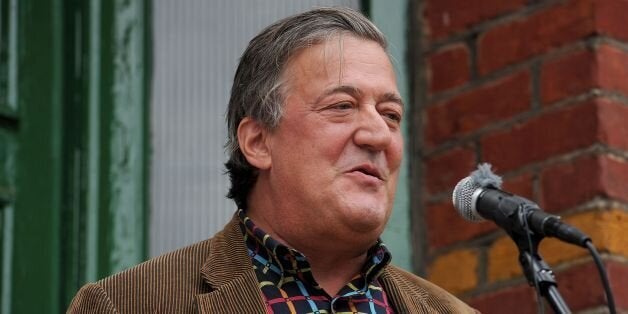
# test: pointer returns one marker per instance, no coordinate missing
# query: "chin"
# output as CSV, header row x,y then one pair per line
x,y
368,218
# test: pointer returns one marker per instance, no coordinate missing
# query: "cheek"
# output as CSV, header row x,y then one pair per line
x,y
331,140
311,146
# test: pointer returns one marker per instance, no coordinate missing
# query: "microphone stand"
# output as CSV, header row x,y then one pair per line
x,y
537,272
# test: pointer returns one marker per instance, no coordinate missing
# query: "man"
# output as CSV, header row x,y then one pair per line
x,y
315,146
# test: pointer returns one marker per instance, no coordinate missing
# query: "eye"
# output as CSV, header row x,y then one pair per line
x,y
342,106
392,116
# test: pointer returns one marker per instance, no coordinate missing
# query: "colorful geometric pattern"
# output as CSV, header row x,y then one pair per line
x,y
287,285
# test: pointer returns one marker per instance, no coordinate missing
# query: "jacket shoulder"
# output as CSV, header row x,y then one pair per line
x,y
167,283
91,298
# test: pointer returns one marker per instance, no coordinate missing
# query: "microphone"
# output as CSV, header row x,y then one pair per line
x,y
479,197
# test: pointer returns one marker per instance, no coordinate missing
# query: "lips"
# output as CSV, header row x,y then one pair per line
x,y
369,170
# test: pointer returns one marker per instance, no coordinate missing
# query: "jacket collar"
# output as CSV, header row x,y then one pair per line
x,y
230,275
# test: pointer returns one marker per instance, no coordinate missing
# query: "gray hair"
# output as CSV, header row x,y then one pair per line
x,y
257,85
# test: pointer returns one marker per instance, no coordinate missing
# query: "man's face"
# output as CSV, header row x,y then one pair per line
x,y
336,152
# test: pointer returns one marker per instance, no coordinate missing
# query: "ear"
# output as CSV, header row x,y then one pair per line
x,y
252,139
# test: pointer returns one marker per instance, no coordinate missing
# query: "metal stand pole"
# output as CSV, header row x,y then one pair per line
x,y
537,271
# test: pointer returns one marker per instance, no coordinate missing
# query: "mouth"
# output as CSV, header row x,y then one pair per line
x,y
368,170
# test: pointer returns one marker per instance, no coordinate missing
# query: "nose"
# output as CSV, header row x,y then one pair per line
x,y
372,133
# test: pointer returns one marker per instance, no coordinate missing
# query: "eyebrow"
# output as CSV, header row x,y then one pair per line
x,y
392,97
356,92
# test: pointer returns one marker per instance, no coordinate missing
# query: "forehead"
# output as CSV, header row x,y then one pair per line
x,y
337,58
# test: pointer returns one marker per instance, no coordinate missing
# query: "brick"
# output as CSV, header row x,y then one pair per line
x,y
515,300
610,18
572,183
558,132
568,75
521,185
606,67
503,260
528,36
613,128
470,111
615,178
542,137
449,67
612,68
445,17
446,226
446,169
581,286
618,277
583,176
446,271
605,227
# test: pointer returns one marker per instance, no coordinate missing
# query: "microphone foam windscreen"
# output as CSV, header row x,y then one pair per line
x,y
484,177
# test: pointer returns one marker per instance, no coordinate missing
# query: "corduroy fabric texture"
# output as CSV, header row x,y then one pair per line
x,y
216,276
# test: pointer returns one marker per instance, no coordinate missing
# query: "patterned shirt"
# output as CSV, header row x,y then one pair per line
x,y
287,285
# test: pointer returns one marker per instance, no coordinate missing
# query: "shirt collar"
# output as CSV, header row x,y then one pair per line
x,y
294,262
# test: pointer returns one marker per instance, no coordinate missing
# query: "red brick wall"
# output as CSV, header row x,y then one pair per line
x,y
539,89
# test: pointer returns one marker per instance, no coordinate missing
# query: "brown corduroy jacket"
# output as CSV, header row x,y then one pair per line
x,y
216,276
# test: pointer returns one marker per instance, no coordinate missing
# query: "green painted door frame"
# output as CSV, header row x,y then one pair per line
x,y
36,225
9,124
80,130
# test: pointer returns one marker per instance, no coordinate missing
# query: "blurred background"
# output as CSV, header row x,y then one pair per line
x,y
112,136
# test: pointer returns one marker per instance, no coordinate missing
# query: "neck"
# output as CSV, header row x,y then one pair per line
x,y
334,273
335,257
333,266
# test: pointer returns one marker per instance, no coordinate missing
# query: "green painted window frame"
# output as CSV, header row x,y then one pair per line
x,y
81,127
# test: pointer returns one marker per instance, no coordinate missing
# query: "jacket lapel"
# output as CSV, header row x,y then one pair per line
x,y
229,273
412,294
405,297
